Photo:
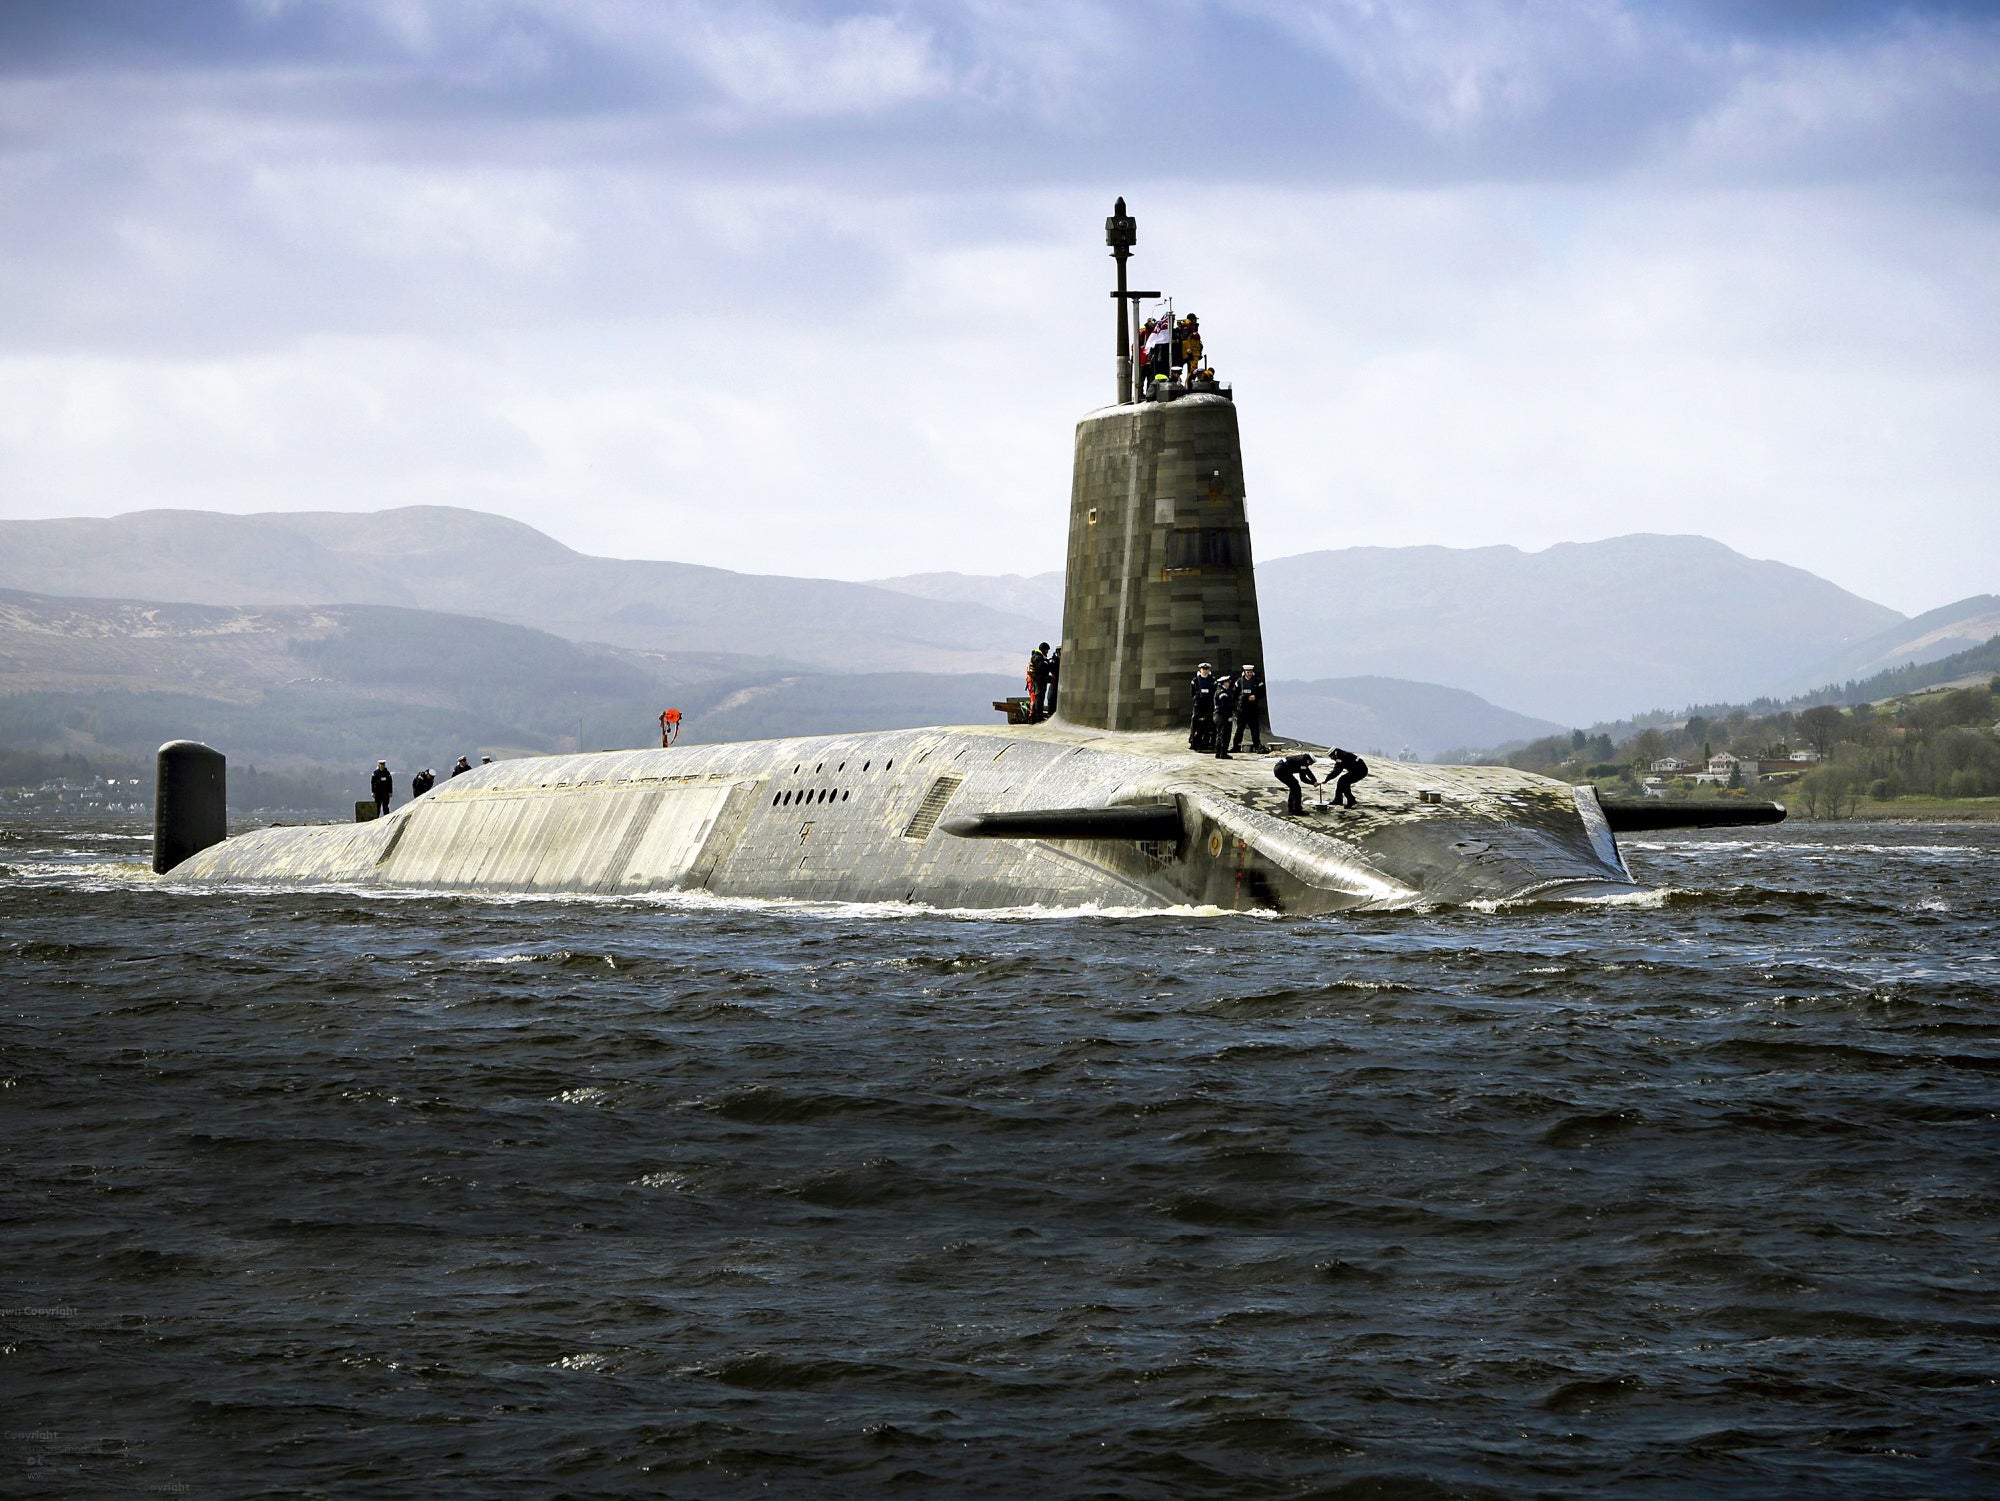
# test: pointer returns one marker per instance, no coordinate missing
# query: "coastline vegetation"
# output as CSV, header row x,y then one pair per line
x,y
1919,754
71,781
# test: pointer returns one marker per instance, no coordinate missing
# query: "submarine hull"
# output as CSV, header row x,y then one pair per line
x,y
872,817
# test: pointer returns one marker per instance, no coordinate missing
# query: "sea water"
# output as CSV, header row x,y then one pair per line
x,y
415,1195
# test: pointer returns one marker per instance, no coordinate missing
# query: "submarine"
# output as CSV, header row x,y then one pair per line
x,y
1102,805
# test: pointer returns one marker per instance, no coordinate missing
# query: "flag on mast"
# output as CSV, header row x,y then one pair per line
x,y
1158,340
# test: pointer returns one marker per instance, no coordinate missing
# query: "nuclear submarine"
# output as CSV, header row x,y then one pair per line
x,y
1102,805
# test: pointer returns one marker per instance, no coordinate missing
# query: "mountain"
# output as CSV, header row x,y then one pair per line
x,y
346,684
443,559
1577,632
1922,638
1973,667
1388,716
1573,634
340,685
1033,596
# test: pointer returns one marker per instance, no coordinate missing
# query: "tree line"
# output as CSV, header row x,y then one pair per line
x,y
249,788
1940,743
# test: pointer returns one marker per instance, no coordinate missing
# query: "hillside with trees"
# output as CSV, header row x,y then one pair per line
x,y
1892,749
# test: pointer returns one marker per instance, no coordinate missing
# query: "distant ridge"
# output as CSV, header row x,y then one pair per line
x,y
289,685
1575,633
1034,596
1572,633
340,685
1975,664
467,562
1392,715
1923,638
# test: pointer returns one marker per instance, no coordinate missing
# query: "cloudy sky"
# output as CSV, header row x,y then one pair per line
x,y
820,288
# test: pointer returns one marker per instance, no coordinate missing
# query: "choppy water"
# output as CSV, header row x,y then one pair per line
x,y
325,1194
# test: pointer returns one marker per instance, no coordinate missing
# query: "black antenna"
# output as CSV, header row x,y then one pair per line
x,y
1121,233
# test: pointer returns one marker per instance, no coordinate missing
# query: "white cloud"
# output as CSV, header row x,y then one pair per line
x,y
795,289
1662,361
505,223
1457,67
772,65
1857,107
767,62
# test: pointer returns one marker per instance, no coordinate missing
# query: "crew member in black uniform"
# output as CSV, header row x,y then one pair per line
x,y
1249,709
1225,710
1291,771
461,764
383,785
1038,683
1201,725
1348,769
422,782
1055,682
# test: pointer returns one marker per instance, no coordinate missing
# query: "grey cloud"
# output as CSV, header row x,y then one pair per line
x,y
205,258
941,94
346,253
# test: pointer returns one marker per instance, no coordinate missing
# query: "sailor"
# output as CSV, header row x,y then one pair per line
x,y
1225,709
1249,709
1291,771
1187,346
422,782
460,765
1201,727
1348,769
1038,683
383,785
1055,682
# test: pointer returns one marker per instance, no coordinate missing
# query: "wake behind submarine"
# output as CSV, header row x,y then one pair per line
x,y
1104,804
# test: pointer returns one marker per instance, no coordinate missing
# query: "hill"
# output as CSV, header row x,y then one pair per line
x,y
1922,639
454,561
1576,632
1579,631
1972,666
1927,753
1388,716
1033,596
286,686
340,685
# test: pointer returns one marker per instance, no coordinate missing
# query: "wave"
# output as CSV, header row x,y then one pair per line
x,y
83,875
693,902
1796,849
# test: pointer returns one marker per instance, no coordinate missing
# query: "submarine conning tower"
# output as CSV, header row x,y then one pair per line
x,y
1159,574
